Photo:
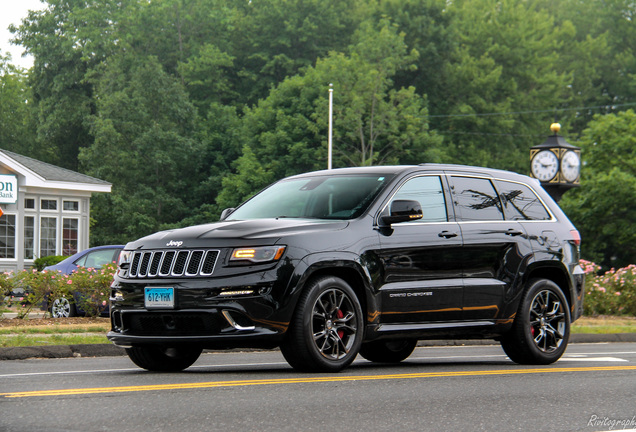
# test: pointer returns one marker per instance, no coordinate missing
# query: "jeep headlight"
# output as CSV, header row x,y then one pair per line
x,y
259,255
124,258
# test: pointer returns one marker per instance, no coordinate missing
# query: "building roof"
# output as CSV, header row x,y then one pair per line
x,y
43,174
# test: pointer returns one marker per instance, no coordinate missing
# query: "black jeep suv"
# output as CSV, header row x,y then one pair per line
x,y
330,264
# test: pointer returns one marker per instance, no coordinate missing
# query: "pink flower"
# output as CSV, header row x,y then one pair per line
x,y
617,293
601,289
69,282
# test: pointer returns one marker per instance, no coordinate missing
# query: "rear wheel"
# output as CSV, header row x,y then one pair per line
x,y
541,329
164,359
62,308
388,351
326,331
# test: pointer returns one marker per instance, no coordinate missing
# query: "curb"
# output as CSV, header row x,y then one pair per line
x,y
109,350
61,351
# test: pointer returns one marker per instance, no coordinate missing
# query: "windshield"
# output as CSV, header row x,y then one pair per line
x,y
321,197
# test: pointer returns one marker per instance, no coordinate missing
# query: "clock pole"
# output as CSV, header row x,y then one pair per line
x,y
556,164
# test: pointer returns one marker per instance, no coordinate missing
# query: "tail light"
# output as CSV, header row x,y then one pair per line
x,y
576,237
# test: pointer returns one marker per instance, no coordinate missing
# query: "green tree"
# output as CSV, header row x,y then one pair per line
x,y
504,63
16,121
427,27
604,207
67,39
375,123
275,39
145,145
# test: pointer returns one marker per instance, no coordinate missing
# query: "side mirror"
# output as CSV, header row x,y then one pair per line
x,y
225,213
403,211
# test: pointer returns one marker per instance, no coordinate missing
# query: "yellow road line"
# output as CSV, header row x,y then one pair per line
x,y
306,379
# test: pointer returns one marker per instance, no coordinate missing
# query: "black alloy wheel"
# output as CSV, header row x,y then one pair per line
x,y
541,329
326,331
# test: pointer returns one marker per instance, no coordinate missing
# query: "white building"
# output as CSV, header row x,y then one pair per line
x,y
46,210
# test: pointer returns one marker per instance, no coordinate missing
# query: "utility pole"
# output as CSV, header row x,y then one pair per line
x,y
330,133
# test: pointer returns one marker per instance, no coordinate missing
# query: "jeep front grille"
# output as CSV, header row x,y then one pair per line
x,y
160,263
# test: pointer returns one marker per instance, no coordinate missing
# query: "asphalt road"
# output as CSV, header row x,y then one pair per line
x,y
474,388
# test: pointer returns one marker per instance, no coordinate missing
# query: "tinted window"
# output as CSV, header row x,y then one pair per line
x,y
322,197
520,202
476,199
428,191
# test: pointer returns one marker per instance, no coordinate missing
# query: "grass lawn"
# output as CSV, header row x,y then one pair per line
x,y
604,325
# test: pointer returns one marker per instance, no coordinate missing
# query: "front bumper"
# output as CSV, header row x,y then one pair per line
x,y
227,312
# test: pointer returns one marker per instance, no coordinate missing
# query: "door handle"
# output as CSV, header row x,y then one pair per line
x,y
513,232
447,234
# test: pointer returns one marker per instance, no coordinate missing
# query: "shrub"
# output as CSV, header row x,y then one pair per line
x,y
611,293
7,285
46,261
93,287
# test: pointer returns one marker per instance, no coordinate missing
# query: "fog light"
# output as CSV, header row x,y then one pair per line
x,y
237,293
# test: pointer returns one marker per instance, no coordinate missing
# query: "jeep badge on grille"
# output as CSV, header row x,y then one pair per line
x,y
174,243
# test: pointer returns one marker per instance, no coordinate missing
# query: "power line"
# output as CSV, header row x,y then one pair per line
x,y
611,107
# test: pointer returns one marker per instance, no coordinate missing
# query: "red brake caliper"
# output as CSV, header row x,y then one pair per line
x,y
339,314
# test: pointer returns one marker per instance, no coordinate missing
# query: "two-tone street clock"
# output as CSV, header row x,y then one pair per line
x,y
556,164
545,165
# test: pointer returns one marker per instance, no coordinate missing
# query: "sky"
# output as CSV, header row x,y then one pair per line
x,y
12,12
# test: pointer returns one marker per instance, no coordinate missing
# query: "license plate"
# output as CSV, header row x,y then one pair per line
x,y
162,298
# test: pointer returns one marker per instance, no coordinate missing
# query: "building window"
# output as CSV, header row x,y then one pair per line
x,y
70,206
7,236
48,236
69,236
29,203
48,204
29,237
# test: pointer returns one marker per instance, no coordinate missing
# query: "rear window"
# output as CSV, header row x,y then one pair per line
x,y
476,199
520,202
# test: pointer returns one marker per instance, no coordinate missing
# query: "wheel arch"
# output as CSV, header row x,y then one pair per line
x,y
351,271
555,274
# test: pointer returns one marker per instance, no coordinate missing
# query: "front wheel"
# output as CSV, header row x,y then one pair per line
x,y
541,329
388,351
164,359
62,308
327,328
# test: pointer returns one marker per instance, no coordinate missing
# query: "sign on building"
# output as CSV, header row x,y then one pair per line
x,y
8,189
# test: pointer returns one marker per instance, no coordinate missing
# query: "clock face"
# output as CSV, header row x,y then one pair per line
x,y
570,166
545,165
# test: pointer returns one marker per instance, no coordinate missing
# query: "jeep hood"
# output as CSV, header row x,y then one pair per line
x,y
219,234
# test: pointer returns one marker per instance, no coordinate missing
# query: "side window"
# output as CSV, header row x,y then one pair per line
x,y
520,202
476,199
430,194
96,259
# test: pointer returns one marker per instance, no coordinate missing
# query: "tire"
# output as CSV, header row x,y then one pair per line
x,y
388,351
62,308
326,331
164,359
541,330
